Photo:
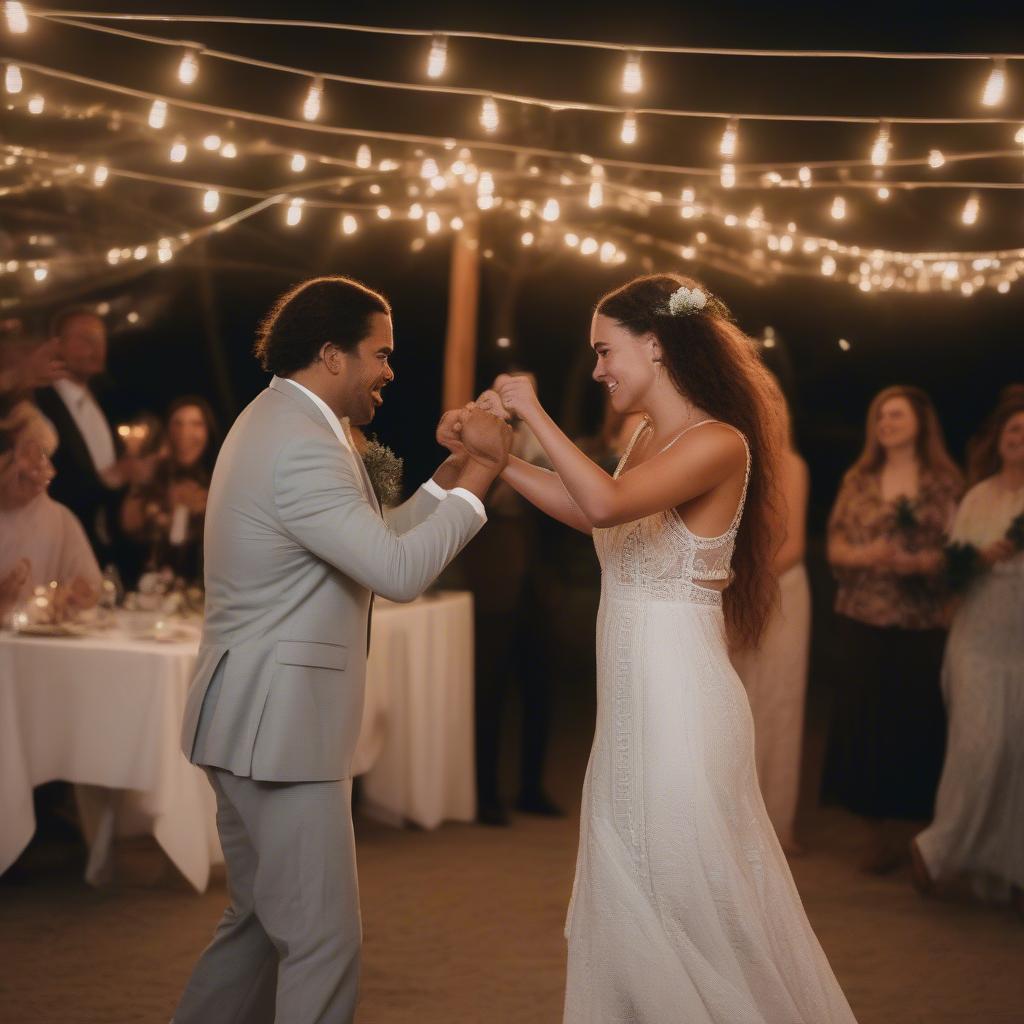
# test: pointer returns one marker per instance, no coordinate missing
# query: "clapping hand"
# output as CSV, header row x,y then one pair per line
x,y
486,438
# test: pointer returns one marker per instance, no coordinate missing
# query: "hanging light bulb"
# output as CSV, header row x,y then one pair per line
x,y
438,57
188,69
40,273
349,224
298,163
37,104
838,208
211,142
1019,137
211,200
883,193
969,215
588,246
995,86
415,212
632,76
935,158
179,150
828,266
880,147
688,195
164,250
551,210
730,137
485,184
158,114
595,198
628,133
100,174
457,224
429,168
229,151
489,119
314,97
12,79
384,212
17,19
294,212
804,174
433,222
364,158
728,176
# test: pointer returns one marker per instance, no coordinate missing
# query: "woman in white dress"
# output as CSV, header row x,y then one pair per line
x,y
979,813
774,673
683,907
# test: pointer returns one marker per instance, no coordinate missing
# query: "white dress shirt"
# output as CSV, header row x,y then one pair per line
x,y
342,434
91,422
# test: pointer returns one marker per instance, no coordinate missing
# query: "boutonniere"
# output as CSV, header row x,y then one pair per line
x,y
384,468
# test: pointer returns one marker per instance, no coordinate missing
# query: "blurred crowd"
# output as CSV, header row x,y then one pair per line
x,y
86,495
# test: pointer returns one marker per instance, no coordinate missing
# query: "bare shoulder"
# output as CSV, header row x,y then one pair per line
x,y
716,448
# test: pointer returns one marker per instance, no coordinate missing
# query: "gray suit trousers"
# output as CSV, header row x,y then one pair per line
x,y
287,947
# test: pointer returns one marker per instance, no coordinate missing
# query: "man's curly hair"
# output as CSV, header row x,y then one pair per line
x,y
323,309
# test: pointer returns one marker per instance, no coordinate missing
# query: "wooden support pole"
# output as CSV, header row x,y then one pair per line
x,y
463,301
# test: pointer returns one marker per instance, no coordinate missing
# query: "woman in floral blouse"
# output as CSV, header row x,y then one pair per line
x,y
885,545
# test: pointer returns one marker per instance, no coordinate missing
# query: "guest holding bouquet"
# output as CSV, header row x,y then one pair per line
x,y
885,545
979,815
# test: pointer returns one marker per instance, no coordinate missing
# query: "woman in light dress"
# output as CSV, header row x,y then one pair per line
x,y
979,815
683,907
774,673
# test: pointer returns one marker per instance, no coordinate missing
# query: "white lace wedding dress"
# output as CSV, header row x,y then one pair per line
x,y
683,908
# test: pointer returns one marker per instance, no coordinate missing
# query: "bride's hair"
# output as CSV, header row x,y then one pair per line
x,y
714,365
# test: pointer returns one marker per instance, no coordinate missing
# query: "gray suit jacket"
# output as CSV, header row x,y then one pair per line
x,y
293,550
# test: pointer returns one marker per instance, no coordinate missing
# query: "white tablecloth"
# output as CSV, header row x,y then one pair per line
x,y
105,713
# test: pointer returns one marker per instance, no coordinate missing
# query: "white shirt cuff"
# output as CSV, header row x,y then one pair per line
x,y
435,490
478,505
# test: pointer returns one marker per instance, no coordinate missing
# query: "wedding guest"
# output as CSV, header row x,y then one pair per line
x,y
34,528
979,814
775,672
89,477
885,545
167,513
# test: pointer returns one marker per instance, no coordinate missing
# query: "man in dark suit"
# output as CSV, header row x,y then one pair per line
x,y
89,478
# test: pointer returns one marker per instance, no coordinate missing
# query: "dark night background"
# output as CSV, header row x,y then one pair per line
x,y
962,351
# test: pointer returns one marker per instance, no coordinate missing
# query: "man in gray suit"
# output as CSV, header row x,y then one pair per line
x,y
295,547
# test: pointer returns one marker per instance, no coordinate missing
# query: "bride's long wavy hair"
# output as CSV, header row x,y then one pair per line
x,y
715,366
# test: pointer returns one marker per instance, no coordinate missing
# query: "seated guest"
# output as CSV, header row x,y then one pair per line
x,y
167,513
89,476
40,540
978,829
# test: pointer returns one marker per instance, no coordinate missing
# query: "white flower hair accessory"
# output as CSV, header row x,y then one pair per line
x,y
686,301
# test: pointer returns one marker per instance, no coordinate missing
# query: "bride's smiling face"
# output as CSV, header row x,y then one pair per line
x,y
625,365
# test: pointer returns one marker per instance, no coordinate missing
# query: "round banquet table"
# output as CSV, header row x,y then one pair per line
x,y
104,712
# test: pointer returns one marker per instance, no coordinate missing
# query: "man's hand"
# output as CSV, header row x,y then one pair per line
x,y
486,438
448,431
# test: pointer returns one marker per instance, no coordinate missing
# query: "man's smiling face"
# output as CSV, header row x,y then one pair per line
x,y
368,371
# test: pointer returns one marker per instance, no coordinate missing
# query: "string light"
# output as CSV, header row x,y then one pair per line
x,y
551,210
158,114
428,169
457,224
844,344
100,174
40,273
314,97
727,147
384,212
188,69
179,151
1019,137
526,238
632,76
12,79
17,19
349,224
607,252
364,158
489,119
628,133
229,151
935,158
36,104
728,176
588,246
298,164
804,174
1003,287
211,200
438,57
211,142
995,86
294,212
595,197
883,193
970,211
838,208
880,148
572,239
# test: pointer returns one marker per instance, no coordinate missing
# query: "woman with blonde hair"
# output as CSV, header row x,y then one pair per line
x,y
885,545
979,814
683,907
